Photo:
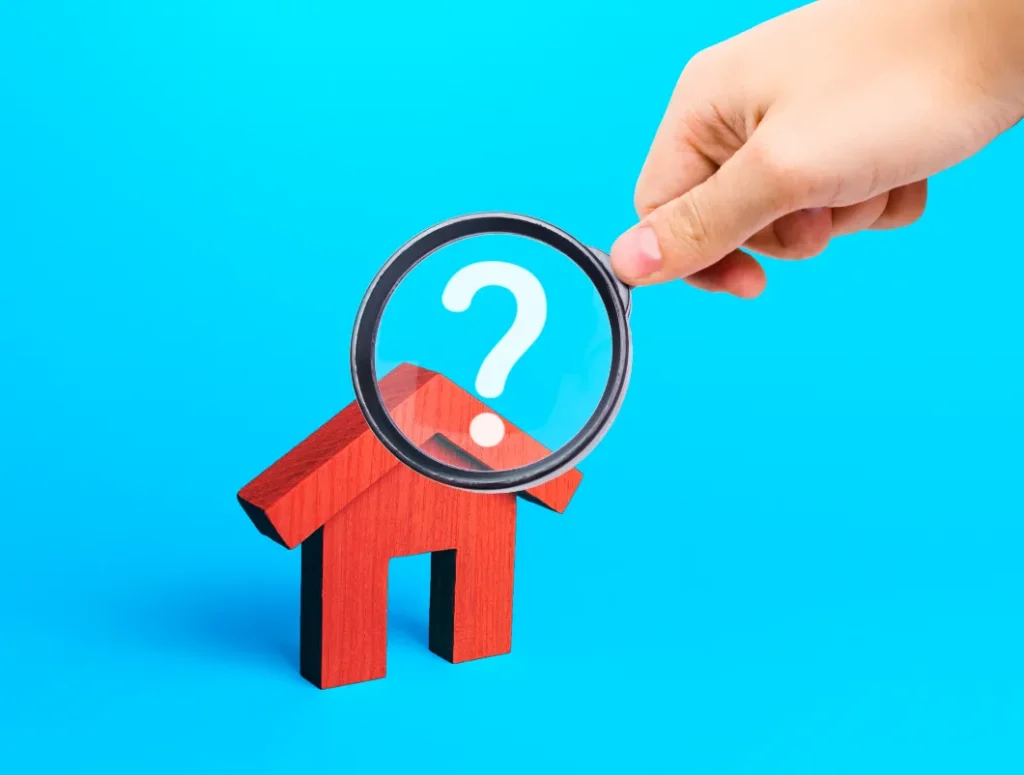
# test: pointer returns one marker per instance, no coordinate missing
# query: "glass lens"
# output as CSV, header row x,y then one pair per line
x,y
493,352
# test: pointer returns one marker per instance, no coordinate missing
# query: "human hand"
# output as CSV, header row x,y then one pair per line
x,y
824,121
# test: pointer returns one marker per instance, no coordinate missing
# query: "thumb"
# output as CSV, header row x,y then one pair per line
x,y
705,224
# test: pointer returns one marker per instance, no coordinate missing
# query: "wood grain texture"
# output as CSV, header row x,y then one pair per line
x,y
320,475
353,507
298,494
471,537
440,408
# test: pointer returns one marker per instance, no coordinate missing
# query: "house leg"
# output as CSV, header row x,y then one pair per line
x,y
343,616
471,586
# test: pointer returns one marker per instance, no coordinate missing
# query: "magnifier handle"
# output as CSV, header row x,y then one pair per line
x,y
623,288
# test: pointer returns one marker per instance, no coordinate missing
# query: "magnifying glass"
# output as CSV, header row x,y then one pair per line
x,y
492,352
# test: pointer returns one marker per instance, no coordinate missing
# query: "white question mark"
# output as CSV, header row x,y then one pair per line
x,y
487,429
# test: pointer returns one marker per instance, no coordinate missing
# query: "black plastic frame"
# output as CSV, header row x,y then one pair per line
x,y
617,302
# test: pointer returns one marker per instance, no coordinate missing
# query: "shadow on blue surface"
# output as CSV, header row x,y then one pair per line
x,y
251,621
214,620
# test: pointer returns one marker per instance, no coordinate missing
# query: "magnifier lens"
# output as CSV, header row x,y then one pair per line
x,y
493,352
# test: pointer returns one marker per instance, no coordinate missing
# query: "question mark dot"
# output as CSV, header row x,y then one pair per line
x,y
487,429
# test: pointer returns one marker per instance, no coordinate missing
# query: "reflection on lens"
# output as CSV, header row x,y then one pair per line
x,y
493,352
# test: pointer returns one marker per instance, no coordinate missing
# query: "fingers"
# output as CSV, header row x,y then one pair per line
x,y
708,222
854,218
905,206
673,166
692,139
892,210
695,238
737,273
803,234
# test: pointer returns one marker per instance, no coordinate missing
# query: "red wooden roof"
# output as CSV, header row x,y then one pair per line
x,y
318,478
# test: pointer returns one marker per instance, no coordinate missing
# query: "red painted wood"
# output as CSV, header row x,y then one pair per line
x,y
403,514
353,507
316,479
442,408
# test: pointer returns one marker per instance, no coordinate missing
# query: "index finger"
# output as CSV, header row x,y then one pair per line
x,y
675,162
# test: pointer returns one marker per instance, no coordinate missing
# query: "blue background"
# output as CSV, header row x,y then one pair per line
x,y
797,551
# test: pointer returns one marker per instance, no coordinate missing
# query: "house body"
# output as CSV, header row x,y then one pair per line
x,y
352,506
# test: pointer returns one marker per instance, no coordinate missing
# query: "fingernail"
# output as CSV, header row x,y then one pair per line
x,y
636,254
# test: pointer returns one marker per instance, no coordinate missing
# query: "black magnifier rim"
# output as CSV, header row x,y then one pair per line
x,y
613,292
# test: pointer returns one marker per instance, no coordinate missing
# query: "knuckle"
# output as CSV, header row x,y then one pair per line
x,y
915,211
906,207
698,66
901,218
803,250
810,249
907,217
795,180
707,64
689,231
915,216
